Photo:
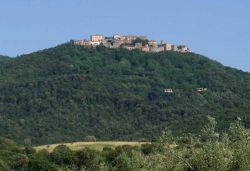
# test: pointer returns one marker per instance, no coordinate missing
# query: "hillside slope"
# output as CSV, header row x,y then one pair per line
x,y
64,93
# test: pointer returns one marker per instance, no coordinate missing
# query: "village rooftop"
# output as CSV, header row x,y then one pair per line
x,y
130,42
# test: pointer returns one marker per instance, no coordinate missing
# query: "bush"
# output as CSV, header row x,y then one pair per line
x,y
152,148
19,162
213,156
131,161
36,164
239,138
62,155
29,150
90,139
89,159
3,166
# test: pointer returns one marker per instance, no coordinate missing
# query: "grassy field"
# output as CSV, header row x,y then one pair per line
x,y
99,145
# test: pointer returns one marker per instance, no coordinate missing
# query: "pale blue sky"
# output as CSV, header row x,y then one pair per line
x,y
219,29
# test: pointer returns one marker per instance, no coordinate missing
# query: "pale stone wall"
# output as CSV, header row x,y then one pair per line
x,y
127,42
157,49
152,43
81,42
167,46
145,49
96,38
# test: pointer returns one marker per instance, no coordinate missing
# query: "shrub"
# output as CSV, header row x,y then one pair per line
x,y
90,139
89,159
36,164
132,161
213,156
62,155
152,148
3,166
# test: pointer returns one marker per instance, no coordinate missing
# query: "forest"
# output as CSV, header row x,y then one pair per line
x,y
68,92
208,151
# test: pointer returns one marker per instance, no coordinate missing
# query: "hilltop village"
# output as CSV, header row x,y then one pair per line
x,y
130,42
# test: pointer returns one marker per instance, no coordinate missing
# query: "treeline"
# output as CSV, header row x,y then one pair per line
x,y
211,150
64,93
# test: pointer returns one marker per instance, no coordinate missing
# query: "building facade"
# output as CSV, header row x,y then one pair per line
x,y
130,42
96,38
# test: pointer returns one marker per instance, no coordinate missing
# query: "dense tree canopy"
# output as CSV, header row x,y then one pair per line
x,y
65,93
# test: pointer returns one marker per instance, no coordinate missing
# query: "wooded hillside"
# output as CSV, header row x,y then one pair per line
x,y
64,93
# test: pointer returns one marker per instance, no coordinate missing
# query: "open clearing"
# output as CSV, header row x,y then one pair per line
x,y
99,145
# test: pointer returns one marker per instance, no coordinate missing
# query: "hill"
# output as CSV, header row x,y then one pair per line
x,y
67,92
4,58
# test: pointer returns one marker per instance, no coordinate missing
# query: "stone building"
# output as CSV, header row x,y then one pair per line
x,y
94,44
174,48
145,48
83,42
183,48
156,49
167,46
130,42
129,39
119,37
117,43
96,38
152,43
129,47
201,89
168,90
138,45
107,44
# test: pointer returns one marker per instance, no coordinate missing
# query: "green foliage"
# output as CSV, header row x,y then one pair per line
x,y
4,166
151,148
239,140
62,155
131,161
212,156
229,151
65,93
41,165
208,132
89,138
88,159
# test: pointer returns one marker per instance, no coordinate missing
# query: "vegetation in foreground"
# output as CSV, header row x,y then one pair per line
x,y
210,151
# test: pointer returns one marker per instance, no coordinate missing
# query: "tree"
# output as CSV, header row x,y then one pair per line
x,y
239,142
208,132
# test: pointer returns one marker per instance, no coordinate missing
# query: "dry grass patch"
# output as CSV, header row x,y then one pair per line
x,y
99,145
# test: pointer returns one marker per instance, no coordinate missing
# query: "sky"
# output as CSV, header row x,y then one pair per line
x,y
218,29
